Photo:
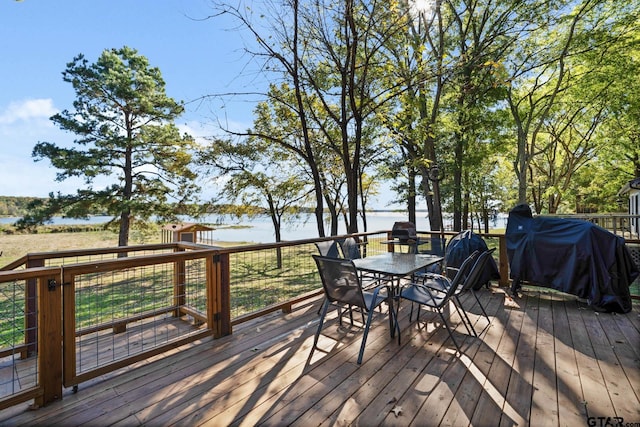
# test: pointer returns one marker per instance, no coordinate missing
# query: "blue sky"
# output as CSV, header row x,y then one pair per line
x,y
196,57
39,37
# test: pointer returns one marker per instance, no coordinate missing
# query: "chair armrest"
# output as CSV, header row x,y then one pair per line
x,y
432,276
427,289
453,270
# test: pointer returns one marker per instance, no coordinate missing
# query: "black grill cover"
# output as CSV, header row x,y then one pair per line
x,y
464,244
572,256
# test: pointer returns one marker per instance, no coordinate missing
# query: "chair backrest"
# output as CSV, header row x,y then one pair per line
x,y
458,281
340,280
438,245
476,271
350,248
328,248
465,269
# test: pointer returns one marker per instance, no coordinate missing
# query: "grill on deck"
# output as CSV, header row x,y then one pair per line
x,y
404,231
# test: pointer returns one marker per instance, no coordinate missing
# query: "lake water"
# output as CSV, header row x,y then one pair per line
x,y
260,229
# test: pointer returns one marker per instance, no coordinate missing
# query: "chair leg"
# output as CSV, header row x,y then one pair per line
x,y
325,308
350,310
397,321
393,319
411,312
463,315
449,330
364,335
481,307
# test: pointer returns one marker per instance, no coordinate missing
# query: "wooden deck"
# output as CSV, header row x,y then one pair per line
x,y
548,358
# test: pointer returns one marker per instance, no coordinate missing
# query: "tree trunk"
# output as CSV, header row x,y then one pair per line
x,y
123,235
127,191
411,198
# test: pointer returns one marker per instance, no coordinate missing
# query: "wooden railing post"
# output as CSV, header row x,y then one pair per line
x,y
69,328
179,288
504,261
219,295
30,310
390,247
50,338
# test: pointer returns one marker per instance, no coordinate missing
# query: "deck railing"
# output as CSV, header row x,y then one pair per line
x,y
625,225
67,317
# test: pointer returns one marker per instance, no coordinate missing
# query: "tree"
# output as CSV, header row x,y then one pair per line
x,y
569,146
619,68
249,183
124,123
329,54
415,70
281,51
540,73
547,71
458,84
614,71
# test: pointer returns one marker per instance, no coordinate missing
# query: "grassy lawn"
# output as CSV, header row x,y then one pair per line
x,y
256,280
14,246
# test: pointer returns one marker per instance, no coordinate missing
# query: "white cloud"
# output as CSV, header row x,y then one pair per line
x,y
194,129
28,109
22,125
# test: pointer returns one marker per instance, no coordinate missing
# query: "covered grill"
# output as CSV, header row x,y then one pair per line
x,y
404,231
571,256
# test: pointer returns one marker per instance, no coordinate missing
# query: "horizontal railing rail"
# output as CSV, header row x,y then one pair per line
x,y
622,224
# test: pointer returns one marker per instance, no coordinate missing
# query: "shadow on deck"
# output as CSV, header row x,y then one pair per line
x,y
546,357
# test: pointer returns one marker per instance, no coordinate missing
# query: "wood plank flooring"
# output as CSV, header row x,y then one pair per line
x,y
548,359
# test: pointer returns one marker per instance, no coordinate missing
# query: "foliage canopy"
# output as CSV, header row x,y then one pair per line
x,y
123,122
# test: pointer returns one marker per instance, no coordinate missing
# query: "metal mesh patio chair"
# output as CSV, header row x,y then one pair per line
x,y
441,284
420,294
328,248
342,286
350,248
437,246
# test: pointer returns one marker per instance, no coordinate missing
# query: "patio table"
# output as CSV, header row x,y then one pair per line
x,y
395,266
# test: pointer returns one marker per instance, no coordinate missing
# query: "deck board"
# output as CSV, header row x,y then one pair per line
x,y
568,384
617,384
518,394
552,359
422,374
465,381
595,398
495,367
544,399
